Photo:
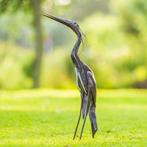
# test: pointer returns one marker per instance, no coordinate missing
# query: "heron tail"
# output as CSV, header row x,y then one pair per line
x,y
93,121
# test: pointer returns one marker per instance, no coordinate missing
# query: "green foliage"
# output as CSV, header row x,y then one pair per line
x,y
48,117
27,65
16,28
13,72
55,70
13,6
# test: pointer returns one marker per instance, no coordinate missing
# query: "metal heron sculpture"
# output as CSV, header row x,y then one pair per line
x,y
85,79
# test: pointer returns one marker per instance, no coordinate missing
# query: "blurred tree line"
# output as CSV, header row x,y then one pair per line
x,y
115,45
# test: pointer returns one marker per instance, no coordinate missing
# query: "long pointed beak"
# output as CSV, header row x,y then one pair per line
x,y
68,23
63,21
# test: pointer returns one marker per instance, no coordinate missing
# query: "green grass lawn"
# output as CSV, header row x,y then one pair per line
x,y
38,118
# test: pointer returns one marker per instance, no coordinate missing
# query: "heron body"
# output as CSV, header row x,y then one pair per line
x,y
85,80
87,85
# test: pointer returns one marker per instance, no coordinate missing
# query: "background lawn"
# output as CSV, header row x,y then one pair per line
x,y
48,118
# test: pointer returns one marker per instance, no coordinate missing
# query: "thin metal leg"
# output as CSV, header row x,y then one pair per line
x,y
83,127
77,126
88,108
79,116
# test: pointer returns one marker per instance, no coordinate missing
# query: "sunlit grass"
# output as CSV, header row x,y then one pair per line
x,y
48,118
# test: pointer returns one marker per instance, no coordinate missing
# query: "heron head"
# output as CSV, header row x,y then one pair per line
x,y
75,27
70,23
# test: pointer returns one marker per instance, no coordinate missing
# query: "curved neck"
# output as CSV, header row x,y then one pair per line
x,y
74,54
76,46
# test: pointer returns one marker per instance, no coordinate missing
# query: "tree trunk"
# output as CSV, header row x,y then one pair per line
x,y
36,9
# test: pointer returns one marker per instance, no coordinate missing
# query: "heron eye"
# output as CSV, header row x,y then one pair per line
x,y
76,24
